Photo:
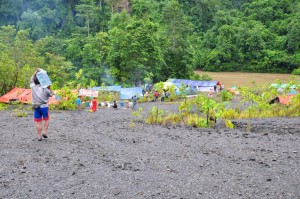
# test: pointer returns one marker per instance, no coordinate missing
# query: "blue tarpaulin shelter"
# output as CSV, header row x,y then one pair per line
x,y
199,85
128,93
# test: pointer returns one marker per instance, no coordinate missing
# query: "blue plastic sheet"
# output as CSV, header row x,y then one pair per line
x,y
128,93
195,83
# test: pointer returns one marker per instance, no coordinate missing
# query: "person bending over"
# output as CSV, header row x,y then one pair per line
x,y
115,106
40,99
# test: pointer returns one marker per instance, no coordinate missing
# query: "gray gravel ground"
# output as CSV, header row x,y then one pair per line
x,y
108,154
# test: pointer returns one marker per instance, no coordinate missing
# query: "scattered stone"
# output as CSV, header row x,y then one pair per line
x,y
252,159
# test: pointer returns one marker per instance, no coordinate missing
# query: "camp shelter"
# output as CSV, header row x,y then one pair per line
x,y
233,90
128,93
195,84
285,99
16,94
22,95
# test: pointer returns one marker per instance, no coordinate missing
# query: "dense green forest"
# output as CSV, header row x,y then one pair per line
x,y
84,43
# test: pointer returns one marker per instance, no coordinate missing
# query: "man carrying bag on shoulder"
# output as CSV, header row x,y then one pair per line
x,y
40,99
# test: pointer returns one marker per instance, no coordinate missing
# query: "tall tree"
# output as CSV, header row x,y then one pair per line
x,y
18,58
43,17
134,53
89,11
94,59
176,33
10,11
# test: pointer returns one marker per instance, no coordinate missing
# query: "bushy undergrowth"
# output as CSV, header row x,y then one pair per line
x,y
203,111
20,113
296,71
67,100
226,96
156,116
107,96
3,106
259,104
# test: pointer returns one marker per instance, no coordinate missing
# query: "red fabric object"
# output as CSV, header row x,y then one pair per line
x,y
286,99
94,105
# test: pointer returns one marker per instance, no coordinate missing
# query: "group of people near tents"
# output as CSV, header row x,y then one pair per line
x,y
93,104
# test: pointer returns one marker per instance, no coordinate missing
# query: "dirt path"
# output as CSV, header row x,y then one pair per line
x,y
107,155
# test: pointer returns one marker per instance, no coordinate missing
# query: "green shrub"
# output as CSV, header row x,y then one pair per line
x,y
226,96
196,121
3,106
229,124
19,113
231,114
67,101
296,71
172,119
155,116
138,113
107,96
186,106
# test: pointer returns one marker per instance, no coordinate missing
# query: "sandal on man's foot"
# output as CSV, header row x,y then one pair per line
x,y
40,139
44,136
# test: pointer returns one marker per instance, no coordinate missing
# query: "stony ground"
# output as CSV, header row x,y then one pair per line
x,y
108,154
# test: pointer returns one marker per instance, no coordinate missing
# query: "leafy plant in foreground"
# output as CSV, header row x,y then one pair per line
x,y
155,116
138,113
19,113
3,106
67,100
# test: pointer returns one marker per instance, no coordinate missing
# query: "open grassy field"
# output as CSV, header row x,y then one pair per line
x,y
230,79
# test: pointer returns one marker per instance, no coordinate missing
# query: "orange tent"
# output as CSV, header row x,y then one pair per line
x,y
15,94
286,99
22,95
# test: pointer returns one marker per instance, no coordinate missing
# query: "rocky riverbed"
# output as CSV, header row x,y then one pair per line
x,y
111,154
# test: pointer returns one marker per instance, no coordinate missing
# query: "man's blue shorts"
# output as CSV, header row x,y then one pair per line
x,y
40,114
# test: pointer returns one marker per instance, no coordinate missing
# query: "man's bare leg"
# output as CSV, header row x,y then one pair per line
x,y
39,129
46,125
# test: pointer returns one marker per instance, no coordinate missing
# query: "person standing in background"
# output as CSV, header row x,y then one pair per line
x,y
94,105
156,95
115,106
167,94
40,99
222,87
134,100
78,103
162,99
